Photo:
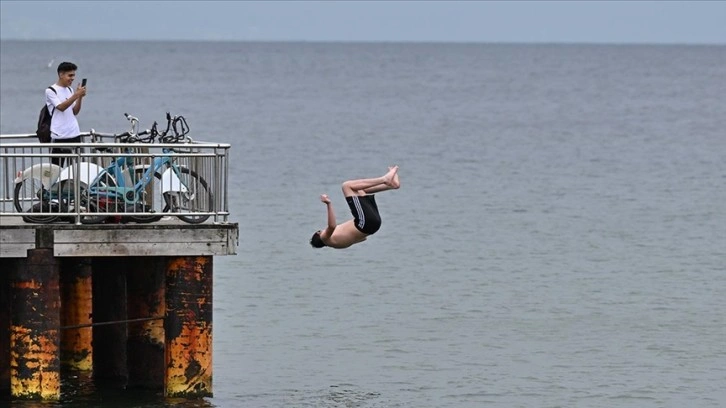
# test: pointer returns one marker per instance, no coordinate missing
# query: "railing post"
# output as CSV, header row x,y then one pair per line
x,y
77,184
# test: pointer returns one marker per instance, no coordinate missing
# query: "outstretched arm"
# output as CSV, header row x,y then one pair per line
x,y
331,214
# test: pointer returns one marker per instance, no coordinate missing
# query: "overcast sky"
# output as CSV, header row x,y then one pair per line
x,y
688,22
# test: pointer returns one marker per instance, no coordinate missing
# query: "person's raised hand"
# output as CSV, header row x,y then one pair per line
x,y
81,91
324,198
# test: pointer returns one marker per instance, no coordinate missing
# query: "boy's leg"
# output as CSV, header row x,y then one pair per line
x,y
395,184
385,182
58,161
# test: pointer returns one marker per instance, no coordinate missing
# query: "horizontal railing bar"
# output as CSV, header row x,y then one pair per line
x,y
112,214
85,134
143,155
194,145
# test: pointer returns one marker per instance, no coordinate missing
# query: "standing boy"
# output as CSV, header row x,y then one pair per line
x,y
64,105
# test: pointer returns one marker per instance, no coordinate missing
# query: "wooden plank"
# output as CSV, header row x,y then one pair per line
x,y
232,241
123,236
141,249
156,239
14,243
142,243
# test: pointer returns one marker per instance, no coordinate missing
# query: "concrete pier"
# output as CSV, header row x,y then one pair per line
x,y
130,302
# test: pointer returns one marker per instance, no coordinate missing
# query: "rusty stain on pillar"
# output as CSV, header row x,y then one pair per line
x,y
145,289
109,305
76,309
34,337
188,327
8,269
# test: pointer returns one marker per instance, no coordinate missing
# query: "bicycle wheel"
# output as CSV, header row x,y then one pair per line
x,y
151,198
197,198
29,198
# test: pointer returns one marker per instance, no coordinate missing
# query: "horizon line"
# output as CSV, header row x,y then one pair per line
x,y
369,41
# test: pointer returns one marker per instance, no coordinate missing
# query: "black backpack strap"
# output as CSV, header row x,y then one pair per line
x,y
55,92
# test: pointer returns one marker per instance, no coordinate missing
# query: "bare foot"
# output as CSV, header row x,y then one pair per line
x,y
390,177
395,183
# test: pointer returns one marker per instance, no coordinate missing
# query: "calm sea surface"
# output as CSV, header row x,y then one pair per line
x,y
559,239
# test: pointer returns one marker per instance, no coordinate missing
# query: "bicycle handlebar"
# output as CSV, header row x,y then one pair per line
x,y
180,128
130,137
176,124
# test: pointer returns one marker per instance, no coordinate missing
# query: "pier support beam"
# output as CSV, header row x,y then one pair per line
x,y
188,327
34,337
109,306
145,287
8,270
76,309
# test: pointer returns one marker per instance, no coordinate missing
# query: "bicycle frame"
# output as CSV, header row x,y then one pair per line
x,y
170,179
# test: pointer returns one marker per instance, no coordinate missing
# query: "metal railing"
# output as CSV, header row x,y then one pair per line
x,y
93,182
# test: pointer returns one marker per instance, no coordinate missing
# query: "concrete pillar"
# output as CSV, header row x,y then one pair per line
x,y
34,337
145,288
188,327
6,271
76,309
109,305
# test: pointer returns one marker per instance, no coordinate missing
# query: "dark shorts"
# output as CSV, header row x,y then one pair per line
x,y
365,212
60,161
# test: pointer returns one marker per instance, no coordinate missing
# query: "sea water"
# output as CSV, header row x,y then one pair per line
x,y
559,239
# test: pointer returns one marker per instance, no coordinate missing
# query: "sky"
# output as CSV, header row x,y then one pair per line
x,y
643,22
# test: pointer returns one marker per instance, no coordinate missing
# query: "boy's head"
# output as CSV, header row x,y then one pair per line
x,y
66,73
66,67
316,241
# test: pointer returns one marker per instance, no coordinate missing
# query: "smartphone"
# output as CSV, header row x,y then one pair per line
x,y
83,82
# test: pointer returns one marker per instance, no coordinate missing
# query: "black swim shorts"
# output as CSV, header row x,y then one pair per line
x,y
365,212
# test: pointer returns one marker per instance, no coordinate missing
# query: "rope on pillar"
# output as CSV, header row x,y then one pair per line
x,y
143,319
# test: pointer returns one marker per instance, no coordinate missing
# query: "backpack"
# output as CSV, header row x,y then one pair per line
x,y
43,131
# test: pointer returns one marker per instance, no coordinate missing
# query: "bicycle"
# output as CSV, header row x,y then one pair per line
x,y
181,188
108,192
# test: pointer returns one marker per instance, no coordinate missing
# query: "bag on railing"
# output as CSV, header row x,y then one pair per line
x,y
44,119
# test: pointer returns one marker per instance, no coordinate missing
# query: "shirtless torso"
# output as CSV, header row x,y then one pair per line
x,y
343,235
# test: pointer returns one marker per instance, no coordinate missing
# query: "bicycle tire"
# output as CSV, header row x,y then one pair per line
x,y
196,183
145,219
35,192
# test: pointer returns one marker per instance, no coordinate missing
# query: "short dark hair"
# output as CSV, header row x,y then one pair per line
x,y
66,66
316,241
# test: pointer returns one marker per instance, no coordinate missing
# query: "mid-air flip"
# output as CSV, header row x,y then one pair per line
x,y
360,195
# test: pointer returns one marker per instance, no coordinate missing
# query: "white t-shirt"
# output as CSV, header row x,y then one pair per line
x,y
64,125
